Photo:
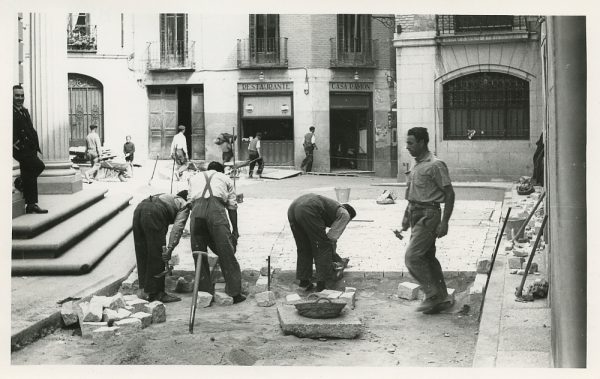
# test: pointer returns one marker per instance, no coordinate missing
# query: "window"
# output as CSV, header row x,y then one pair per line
x,y
81,35
173,37
486,106
264,33
354,32
476,23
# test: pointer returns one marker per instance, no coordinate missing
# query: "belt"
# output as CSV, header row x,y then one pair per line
x,y
420,204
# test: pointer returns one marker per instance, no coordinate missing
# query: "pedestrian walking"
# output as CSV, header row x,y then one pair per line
x,y
179,151
214,207
308,216
310,146
255,156
428,186
151,220
26,147
93,151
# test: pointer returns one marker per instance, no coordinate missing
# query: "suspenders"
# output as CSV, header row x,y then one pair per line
x,y
207,185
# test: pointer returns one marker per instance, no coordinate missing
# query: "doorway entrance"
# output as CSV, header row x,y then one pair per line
x,y
85,108
350,130
169,107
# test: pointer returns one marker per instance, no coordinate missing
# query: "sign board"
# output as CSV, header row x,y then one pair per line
x,y
266,87
351,86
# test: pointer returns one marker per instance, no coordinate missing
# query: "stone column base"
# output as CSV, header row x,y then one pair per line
x,y
59,178
18,204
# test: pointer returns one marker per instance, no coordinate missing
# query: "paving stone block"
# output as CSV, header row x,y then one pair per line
x,y
515,262
117,301
145,318
483,265
204,299
261,284
521,271
123,313
408,290
68,313
103,301
110,315
293,298
265,299
220,287
533,268
264,270
222,298
349,289
183,286
89,313
349,298
131,297
138,305
104,333
347,325
129,325
158,311
330,294
88,327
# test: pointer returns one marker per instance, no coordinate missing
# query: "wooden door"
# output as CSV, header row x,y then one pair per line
x,y
86,107
162,104
198,129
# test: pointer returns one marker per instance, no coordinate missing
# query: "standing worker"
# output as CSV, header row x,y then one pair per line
x,y
179,151
93,144
255,156
214,206
309,215
309,147
224,142
129,150
151,219
428,186
26,147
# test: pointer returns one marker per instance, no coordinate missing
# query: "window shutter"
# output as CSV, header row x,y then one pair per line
x,y
252,33
340,32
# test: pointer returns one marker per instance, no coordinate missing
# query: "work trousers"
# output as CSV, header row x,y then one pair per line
x,y
252,155
150,224
181,160
209,227
420,254
31,167
308,161
308,228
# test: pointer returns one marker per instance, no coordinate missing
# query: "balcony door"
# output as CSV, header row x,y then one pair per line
x,y
264,38
173,39
354,35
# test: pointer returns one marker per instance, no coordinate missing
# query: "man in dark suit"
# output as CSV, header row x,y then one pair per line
x,y
25,150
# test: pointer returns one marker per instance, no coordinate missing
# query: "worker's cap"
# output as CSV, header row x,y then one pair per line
x,y
350,210
183,194
181,128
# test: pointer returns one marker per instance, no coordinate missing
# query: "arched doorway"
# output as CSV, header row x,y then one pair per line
x,y
86,107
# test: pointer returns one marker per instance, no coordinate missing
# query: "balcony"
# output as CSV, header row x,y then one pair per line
x,y
178,56
352,52
456,25
82,39
262,53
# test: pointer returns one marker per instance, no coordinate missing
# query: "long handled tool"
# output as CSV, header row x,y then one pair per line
x,y
519,292
201,256
172,174
498,240
529,216
155,162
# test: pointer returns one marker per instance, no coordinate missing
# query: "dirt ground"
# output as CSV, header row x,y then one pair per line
x,y
245,335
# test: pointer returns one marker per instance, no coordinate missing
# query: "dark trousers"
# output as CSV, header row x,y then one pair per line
x,y
308,161
312,243
209,227
420,254
227,156
31,167
150,223
252,155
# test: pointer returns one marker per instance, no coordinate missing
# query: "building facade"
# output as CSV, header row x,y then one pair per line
x,y
475,83
144,74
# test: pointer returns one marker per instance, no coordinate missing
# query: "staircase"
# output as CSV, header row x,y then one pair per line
x,y
72,238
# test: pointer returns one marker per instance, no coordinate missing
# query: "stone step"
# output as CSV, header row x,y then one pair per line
x,y
112,236
60,208
55,241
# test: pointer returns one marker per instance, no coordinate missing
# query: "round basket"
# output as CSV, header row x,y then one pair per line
x,y
320,308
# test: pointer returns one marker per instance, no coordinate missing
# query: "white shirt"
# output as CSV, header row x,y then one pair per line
x,y
220,184
179,142
313,140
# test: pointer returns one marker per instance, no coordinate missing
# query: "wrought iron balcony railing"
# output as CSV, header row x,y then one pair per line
x,y
82,38
262,52
352,52
175,56
457,24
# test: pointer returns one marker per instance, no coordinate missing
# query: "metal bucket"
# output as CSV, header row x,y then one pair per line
x,y
342,194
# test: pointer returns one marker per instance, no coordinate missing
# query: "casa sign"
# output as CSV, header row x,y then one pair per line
x,y
351,86
265,87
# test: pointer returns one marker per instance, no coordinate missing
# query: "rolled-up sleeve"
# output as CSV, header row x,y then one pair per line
x,y
231,201
342,218
179,223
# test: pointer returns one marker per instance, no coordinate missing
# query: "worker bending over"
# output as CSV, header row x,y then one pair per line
x,y
309,215
214,206
151,219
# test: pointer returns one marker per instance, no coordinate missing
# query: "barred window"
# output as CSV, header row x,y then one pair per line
x,y
486,105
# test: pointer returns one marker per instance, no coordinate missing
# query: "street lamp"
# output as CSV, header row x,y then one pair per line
x,y
306,85
261,76
356,77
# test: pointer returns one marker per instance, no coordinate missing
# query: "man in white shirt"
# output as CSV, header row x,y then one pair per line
x,y
179,151
309,145
214,206
93,144
255,156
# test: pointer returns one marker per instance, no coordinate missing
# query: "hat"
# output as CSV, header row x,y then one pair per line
x,y
181,128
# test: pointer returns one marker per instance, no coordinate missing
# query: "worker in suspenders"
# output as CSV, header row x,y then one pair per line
x,y
214,206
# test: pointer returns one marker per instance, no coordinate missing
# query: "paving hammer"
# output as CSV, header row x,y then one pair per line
x,y
168,268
